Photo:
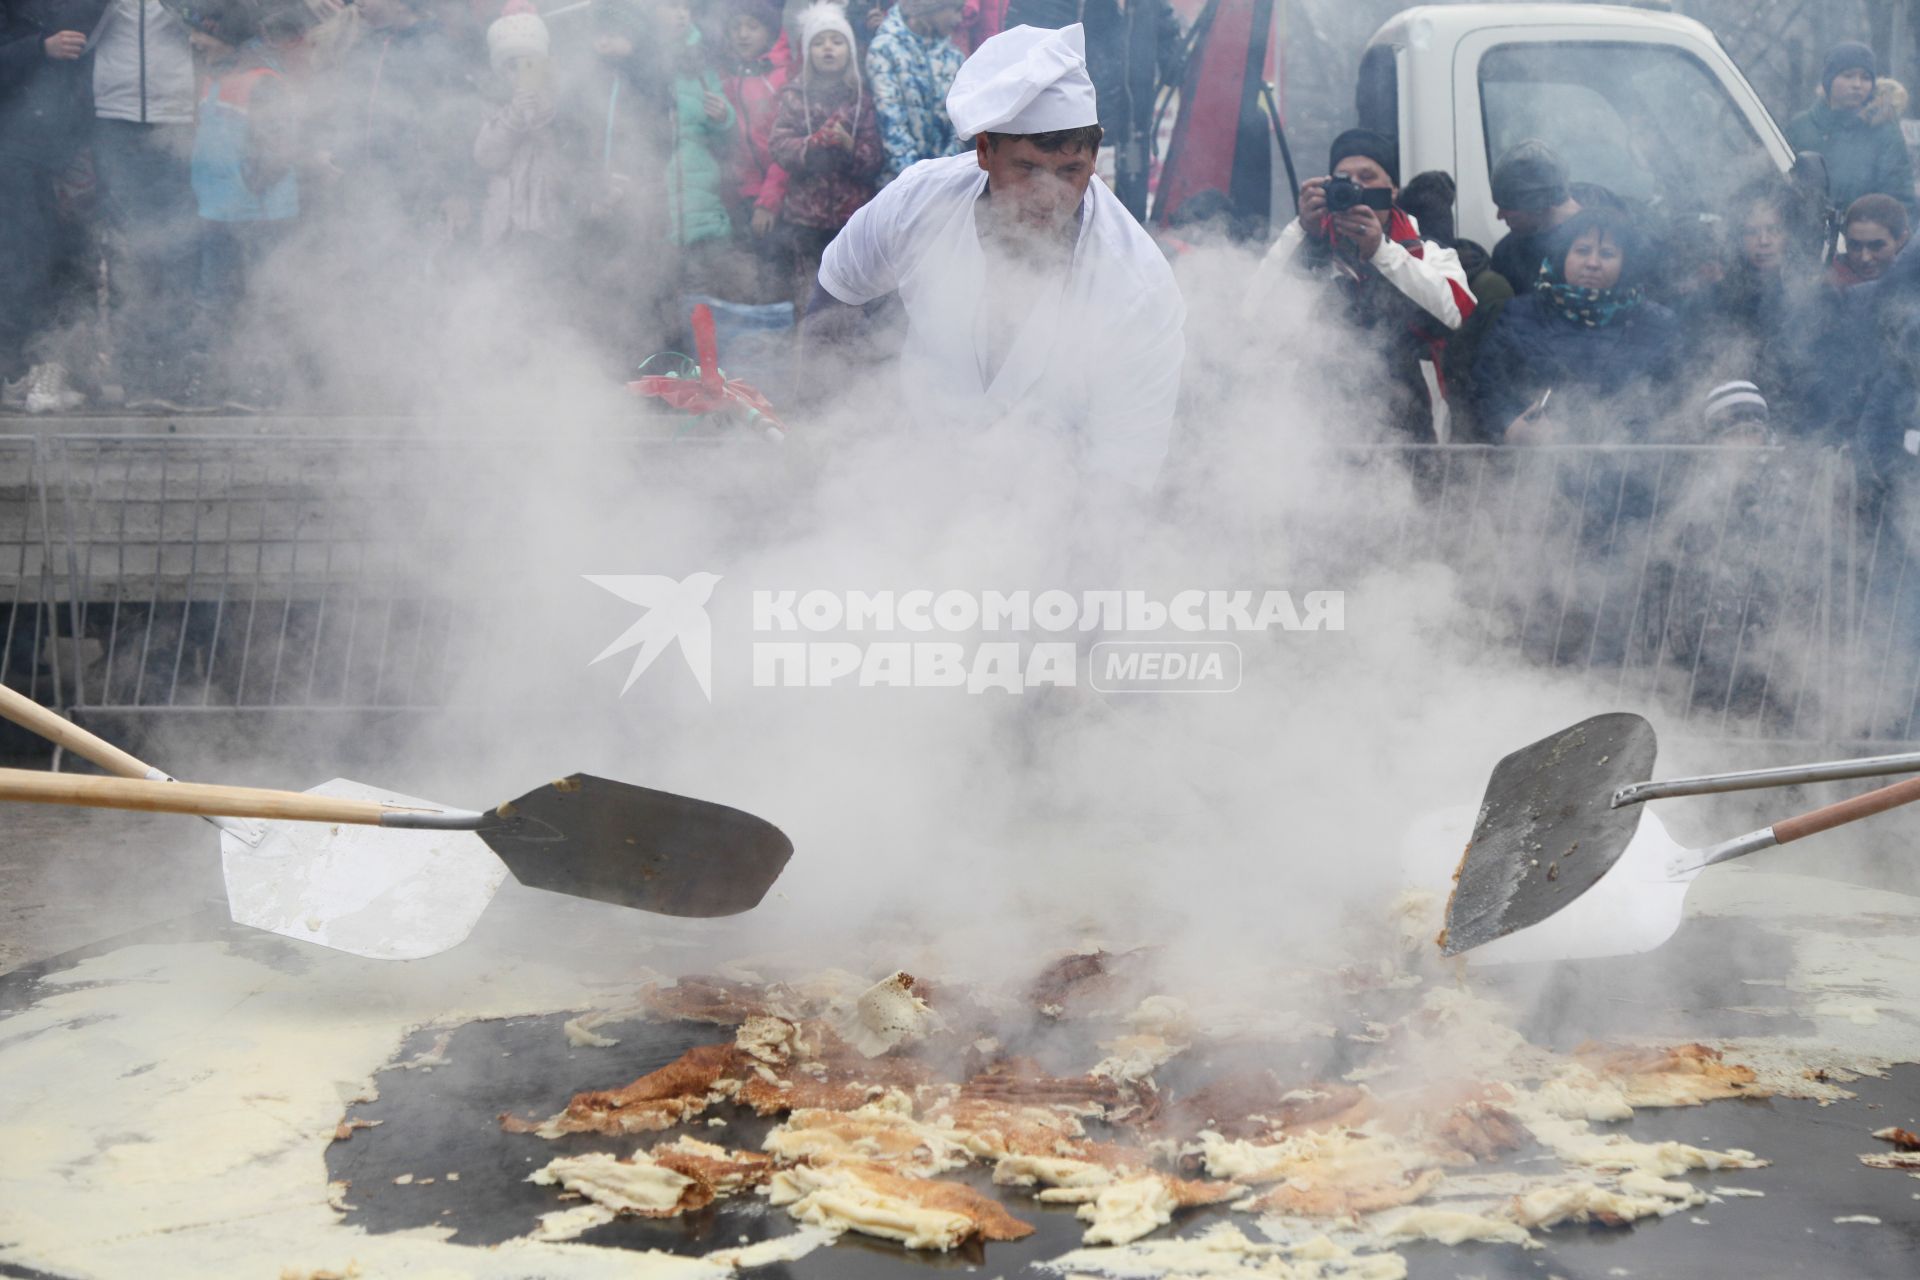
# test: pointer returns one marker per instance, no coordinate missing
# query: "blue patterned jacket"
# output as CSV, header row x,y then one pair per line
x,y
909,75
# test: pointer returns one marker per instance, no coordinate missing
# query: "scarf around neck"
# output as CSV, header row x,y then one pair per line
x,y
1589,308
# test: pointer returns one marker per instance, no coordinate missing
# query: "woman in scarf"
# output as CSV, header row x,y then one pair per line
x,y
1585,356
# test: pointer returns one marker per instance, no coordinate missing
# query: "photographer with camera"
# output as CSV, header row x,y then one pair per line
x,y
1354,254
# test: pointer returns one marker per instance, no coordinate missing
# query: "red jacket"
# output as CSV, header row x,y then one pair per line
x,y
756,100
979,21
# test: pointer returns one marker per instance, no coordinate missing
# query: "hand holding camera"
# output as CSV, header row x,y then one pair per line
x,y
1351,212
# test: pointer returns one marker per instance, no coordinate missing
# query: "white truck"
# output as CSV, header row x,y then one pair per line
x,y
1644,103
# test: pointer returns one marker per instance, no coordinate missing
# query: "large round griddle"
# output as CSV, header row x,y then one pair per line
x,y
445,1120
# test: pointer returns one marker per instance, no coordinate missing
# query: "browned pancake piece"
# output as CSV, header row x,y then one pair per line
x,y
724,1175
990,1218
1479,1131
700,998
1253,1104
1902,1139
1008,1128
658,1100
1336,1200
1668,1076
1023,1082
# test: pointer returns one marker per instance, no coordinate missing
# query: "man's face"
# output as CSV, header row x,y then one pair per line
x,y
1871,248
1525,222
1364,172
1042,188
1850,90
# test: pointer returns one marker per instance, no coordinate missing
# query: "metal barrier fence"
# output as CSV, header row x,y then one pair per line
x,y
1750,593
29,660
1710,582
240,573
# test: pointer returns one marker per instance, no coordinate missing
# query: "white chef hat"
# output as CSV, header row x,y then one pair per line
x,y
1024,80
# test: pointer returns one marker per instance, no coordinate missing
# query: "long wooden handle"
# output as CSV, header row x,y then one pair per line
x,y
30,715
1861,806
201,798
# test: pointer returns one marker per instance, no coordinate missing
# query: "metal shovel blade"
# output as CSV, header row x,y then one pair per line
x,y
1547,831
636,847
370,891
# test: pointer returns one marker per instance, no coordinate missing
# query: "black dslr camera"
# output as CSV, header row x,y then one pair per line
x,y
1344,193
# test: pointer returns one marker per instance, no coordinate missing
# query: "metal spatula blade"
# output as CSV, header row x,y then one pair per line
x,y
386,895
636,847
1546,830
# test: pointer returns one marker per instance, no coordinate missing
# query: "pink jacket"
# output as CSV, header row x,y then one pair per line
x,y
980,20
756,100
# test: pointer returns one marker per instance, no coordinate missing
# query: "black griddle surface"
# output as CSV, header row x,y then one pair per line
x,y
446,1120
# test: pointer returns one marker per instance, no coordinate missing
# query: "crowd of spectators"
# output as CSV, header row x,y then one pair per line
x,y
210,168
1784,311
217,161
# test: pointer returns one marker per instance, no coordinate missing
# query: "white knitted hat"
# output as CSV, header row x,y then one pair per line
x,y
824,16
517,32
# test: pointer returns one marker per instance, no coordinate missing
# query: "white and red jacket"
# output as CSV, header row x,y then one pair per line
x,y
1430,276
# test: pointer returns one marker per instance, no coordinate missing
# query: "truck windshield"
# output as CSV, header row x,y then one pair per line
x,y
1648,122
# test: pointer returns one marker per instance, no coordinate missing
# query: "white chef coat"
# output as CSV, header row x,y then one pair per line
x,y
142,72
1098,357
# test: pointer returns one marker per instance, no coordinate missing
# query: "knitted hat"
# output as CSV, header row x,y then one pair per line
x,y
824,16
1849,55
1529,176
1376,147
518,32
1731,399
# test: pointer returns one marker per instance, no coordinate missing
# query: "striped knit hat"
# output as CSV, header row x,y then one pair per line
x,y
1725,402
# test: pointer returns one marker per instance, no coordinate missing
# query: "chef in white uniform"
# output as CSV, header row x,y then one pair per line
x,y
1033,300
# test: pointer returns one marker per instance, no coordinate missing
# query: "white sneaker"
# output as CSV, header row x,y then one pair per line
x,y
50,389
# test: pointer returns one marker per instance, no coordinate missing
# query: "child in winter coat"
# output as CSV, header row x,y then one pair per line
x,y
826,138
703,122
524,146
758,73
757,58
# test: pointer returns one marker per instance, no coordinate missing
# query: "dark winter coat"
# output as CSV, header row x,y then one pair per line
x,y
1617,372
1861,158
1518,257
1765,329
1106,28
44,107
1881,363
1491,294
